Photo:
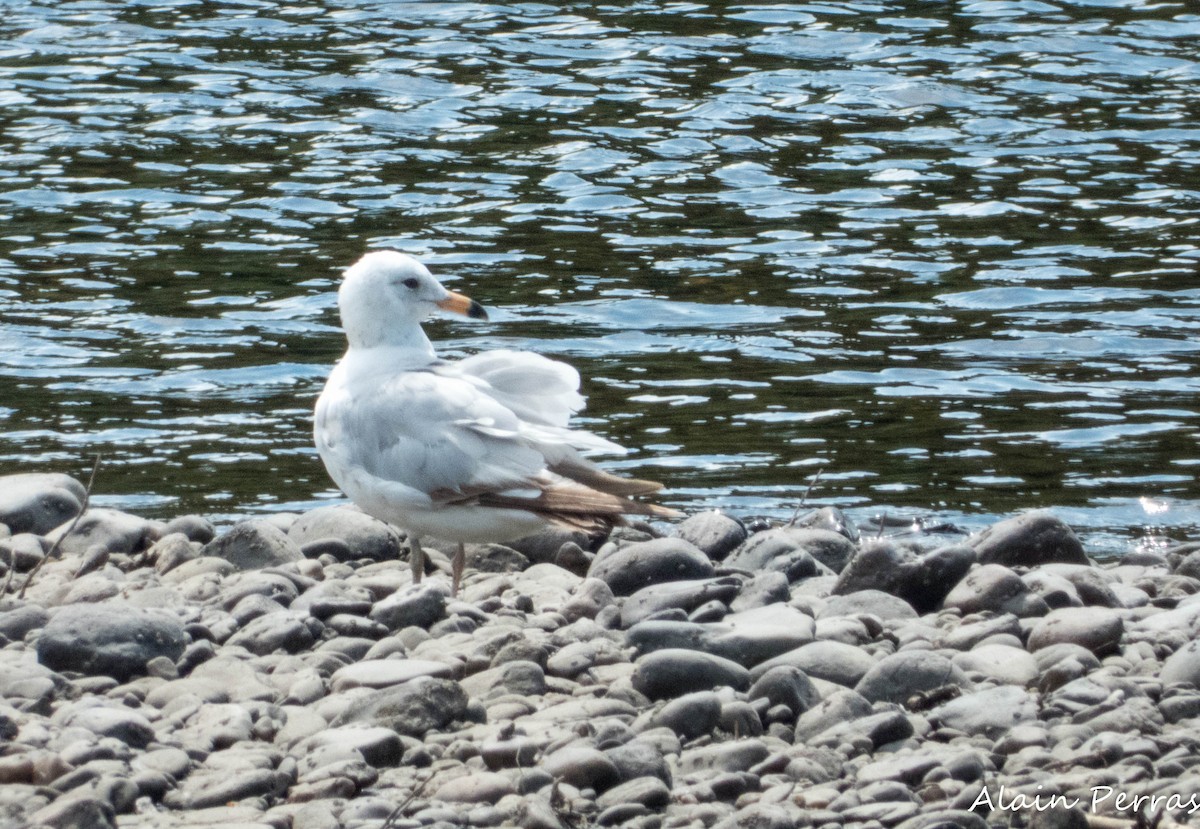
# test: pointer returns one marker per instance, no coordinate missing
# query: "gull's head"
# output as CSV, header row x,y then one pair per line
x,y
386,293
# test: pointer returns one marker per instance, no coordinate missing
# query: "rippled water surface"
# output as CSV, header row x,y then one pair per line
x,y
946,253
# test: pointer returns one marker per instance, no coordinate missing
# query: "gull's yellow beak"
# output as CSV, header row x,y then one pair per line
x,y
460,304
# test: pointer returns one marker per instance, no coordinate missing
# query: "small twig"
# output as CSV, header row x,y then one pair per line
x,y
57,547
398,812
804,498
882,522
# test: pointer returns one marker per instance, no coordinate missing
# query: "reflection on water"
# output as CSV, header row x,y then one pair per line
x,y
944,253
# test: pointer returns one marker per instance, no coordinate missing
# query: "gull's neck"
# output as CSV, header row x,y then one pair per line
x,y
402,346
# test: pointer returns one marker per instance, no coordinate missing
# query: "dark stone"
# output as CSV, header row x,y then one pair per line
x,y
786,685
630,568
691,715
714,533
684,595
108,529
869,602
789,551
495,558
412,708
995,588
15,623
253,545
673,672
1028,540
904,674
361,535
37,502
419,605
922,580
112,639
829,518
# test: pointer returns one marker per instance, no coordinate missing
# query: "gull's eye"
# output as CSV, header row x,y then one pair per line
x,y
410,283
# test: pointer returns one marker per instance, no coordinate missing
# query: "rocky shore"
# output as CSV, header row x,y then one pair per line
x,y
285,672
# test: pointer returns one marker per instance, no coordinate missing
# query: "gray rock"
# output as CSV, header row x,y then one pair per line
x,y
630,568
18,621
686,595
171,551
587,600
384,673
253,545
1097,629
543,547
761,590
1055,591
785,685
361,535
119,723
673,672
1183,666
1089,582
945,819
825,659
205,791
107,529
76,812
965,637
113,639
921,579
995,588
713,533
378,746
878,729
23,551
870,602
418,605
194,527
495,558
729,756
828,518
282,630
839,707
902,675
1028,540
644,757
648,791
990,712
690,715
478,787
746,638
797,553
412,708
37,502
1002,663
583,767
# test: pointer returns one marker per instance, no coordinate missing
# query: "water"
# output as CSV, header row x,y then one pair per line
x,y
943,253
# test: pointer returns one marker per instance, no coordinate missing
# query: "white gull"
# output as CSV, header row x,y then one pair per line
x,y
468,451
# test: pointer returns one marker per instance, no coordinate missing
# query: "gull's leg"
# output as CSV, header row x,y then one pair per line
x,y
416,558
456,568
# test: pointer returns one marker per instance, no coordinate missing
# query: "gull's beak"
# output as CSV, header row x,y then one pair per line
x,y
464,305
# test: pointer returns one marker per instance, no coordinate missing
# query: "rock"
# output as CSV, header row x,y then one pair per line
x,y
193,527
643,756
479,787
384,673
253,545
729,756
876,729
37,502
825,659
412,708
831,519
995,588
171,551
286,630
417,605
587,600
112,639
648,791
119,723
793,552
990,712
18,621
761,590
690,715
583,767
362,536
543,547
713,533
869,602
904,674
628,569
76,812
673,672
921,579
785,685
1183,666
1089,582
685,595
495,558
1097,629
1028,540
107,529
1002,663
747,638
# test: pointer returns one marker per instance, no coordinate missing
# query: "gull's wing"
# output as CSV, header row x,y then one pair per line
x,y
428,433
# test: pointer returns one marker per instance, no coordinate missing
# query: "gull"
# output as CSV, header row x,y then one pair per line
x,y
472,450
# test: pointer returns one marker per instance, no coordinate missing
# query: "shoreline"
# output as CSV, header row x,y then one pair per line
x,y
284,672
